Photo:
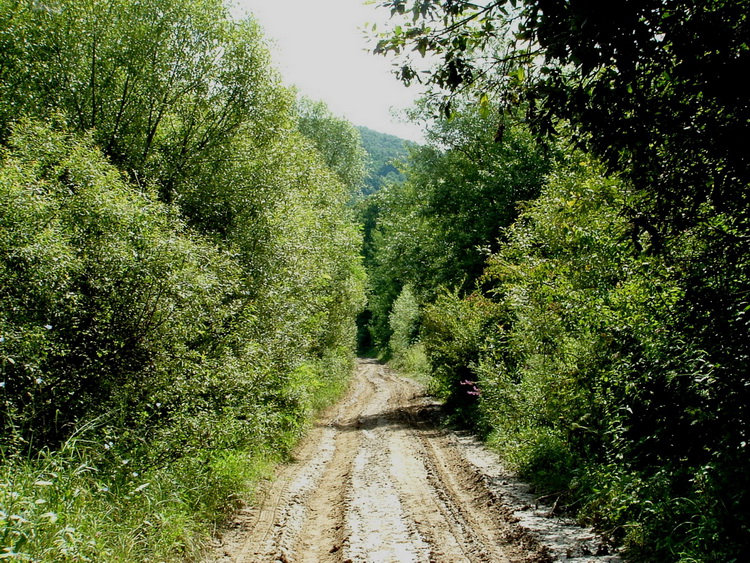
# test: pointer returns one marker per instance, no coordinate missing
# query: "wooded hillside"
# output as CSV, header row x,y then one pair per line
x,y
384,152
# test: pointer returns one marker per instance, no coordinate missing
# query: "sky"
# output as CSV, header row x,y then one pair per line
x,y
320,47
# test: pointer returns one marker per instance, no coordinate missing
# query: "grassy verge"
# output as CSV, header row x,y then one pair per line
x,y
92,500
72,505
412,362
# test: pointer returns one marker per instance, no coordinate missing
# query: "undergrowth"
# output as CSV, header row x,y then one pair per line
x,y
100,498
587,364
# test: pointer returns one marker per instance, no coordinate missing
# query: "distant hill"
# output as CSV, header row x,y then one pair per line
x,y
383,149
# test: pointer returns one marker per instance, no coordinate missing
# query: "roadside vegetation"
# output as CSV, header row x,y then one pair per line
x,y
567,258
179,270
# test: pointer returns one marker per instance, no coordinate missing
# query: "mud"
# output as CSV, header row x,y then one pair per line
x,y
377,480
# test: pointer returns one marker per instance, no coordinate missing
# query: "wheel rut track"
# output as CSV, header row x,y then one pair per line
x,y
378,480
484,528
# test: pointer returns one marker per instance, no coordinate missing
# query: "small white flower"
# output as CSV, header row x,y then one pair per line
x,y
141,487
39,380
48,327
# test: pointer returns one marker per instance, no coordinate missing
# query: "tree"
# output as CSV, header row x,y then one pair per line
x,y
462,190
653,91
106,296
337,140
181,99
164,85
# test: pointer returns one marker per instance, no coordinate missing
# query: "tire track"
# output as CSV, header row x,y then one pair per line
x,y
378,481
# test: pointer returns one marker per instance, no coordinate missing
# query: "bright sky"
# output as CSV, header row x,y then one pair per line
x,y
319,46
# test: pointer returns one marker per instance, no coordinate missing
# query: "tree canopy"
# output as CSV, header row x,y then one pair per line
x,y
650,86
180,269
604,348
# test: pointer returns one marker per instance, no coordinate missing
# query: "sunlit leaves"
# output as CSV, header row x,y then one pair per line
x,y
264,268
337,141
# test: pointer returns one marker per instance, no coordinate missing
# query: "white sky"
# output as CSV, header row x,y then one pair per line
x,y
319,46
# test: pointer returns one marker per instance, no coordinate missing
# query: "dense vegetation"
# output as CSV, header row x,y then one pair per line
x,y
567,258
583,300
179,270
384,152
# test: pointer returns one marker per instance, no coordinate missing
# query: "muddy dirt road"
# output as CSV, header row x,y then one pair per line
x,y
377,481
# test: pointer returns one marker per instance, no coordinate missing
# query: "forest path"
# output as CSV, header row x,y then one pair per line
x,y
377,480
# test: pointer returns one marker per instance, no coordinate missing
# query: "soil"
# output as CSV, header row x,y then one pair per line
x,y
379,480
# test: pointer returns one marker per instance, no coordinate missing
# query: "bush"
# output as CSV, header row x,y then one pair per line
x,y
404,321
106,296
602,359
454,335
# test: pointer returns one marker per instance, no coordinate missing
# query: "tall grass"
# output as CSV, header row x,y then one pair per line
x,y
87,503
93,499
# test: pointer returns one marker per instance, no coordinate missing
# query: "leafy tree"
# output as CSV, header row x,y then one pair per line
x,y
181,97
650,90
597,375
643,92
338,141
179,263
103,289
164,85
385,152
461,192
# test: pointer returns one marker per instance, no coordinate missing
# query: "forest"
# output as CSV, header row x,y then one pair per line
x,y
567,259
191,256
179,270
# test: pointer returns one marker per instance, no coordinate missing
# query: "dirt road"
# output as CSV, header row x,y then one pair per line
x,y
377,481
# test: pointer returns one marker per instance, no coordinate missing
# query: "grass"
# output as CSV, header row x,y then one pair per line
x,y
412,362
89,501
76,504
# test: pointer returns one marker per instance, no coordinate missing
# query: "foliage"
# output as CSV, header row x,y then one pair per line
x,y
164,86
454,337
180,269
641,91
651,91
89,501
337,140
624,356
593,384
437,228
384,152
100,284
404,321
115,311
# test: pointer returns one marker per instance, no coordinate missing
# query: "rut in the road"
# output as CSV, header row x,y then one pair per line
x,y
377,481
